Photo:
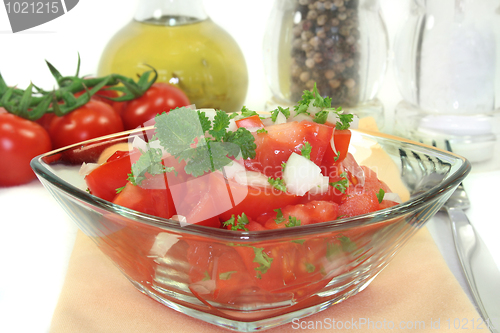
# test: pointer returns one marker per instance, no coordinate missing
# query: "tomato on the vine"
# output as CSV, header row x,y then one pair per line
x,y
20,141
90,121
105,95
160,97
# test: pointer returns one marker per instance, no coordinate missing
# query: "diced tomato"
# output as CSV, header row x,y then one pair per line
x,y
275,147
108,177
253,201
152,197
250,122
217,272
309,213
359,204
331,160
372,182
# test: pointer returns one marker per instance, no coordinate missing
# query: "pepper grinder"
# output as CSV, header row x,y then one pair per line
x,y
341,45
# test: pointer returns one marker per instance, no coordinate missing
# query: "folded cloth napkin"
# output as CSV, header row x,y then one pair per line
x,y
416,291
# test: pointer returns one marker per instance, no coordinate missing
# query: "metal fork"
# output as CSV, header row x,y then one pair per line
x,y
479,268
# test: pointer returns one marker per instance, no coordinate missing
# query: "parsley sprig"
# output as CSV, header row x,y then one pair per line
x,y
325,105
191,136
342,184
237,223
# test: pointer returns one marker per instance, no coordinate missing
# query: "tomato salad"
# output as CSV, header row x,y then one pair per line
x,y
243,172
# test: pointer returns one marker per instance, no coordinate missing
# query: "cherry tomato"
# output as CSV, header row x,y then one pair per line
x,y
90,121
159,98
20,141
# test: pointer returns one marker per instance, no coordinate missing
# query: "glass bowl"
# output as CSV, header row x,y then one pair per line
x,y
249,281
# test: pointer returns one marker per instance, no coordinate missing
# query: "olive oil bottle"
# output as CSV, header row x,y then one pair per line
x,y
187,49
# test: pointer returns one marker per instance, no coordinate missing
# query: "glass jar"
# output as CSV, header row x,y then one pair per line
x,y
341,45
447,71
186,47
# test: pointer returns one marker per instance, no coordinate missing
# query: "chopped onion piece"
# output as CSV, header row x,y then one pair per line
x,y
143,145
203,287
322,187
87,168
350,164
392,197
280,119
231,169
251,178
313,109
267,121
332,143
301,175
332,118
253,129
163,242
301,117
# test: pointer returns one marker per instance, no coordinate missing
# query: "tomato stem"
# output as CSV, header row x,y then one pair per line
x,y
34,102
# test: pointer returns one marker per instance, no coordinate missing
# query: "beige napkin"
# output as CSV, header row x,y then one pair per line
x,y
416,290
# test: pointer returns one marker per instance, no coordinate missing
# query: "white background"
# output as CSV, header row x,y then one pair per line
x,y
35,235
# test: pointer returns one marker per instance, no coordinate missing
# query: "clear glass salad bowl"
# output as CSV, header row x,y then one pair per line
x,y
204,272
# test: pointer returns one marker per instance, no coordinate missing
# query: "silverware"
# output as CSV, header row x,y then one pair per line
x,y
479,268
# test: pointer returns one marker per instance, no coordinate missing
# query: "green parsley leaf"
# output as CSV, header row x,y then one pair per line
x,y
178,129
245,112
277,183
240,141
310,268
206,124
261,131
303,105
306,150
298,241
119,189
189,135
347,244
345,120
220,125
342,184
262,259
274,113
332,250
321,116
149,162
226,275
279,216
292,222
238,223
206,277
380,195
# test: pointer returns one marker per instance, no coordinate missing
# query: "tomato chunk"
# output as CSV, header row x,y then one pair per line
x,y
250,122
275,147
108,177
